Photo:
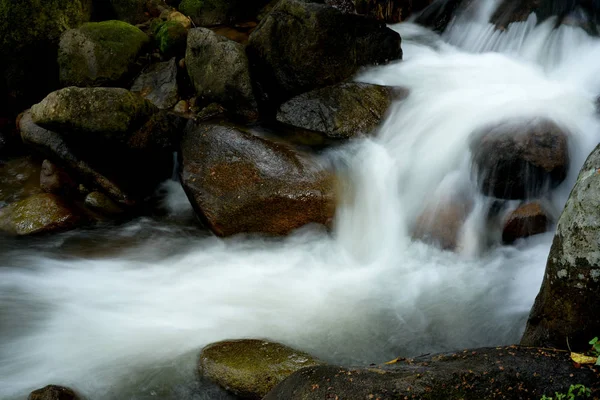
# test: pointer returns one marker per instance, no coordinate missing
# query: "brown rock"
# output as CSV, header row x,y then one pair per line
x,y
238,182
440,224
53,392
527,220
54,179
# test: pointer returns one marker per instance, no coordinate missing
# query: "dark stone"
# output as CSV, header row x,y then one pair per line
x,y
390,11
100,203
238,183
341,111
53,392
158,84
527,220
489,373
300,46
565,312
520,159
440,13
217,12
54,179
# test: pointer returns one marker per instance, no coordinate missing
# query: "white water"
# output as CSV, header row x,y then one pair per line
x,y
126,318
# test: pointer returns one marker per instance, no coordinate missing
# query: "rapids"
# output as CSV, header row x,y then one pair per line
x,y
121,312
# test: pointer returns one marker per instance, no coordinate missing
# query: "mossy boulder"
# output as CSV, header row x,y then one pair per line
x,y
251,368
41,213
29,35
53,392
300,46
565,312
100,54
218,69
170,37
216,12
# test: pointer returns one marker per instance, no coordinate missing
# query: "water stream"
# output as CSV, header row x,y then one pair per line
x,y
121,312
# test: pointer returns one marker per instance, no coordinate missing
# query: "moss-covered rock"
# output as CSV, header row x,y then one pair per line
x,y
100,54
216,12
170,37
41,213
251,368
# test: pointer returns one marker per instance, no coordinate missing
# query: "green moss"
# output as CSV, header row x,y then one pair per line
x,y
170,37
118,36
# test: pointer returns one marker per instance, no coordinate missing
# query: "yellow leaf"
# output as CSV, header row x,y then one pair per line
x,y
583,359
394,361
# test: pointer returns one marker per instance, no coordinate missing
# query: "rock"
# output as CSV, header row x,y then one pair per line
x,y
178,17
158,83
251,368
566,307
345,6
218,69
53,392
390,11
339,112
300,46
520,159
106,112
41,213
238,183
211,111
217,12
440,13
130,11
29,35
171,37
19,179
54,179
527,220
182,107
100,54
489,373
99,202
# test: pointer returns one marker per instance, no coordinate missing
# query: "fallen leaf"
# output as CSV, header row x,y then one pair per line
x,y
583,359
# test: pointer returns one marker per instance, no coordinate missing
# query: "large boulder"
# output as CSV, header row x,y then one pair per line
x,y
340,111
218,69
527,220
53,392
41,213
566,309
217,12
29,35
520,159
489,373
251,368
390,11
100,54
238,182
158,84
301,45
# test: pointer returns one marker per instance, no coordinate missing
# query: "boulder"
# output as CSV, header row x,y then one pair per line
x,y
390,11
340,111
489,373
171,37
53,392
19,179
218,69
565,311
520,159
158,84
217,12
300,46
527,220
238,182
251,368
41,213
29,35
100,54
54,179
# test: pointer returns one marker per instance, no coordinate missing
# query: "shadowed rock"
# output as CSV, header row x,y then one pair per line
x,y
53,392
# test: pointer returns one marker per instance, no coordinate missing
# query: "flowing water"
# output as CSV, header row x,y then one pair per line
x,y
121,312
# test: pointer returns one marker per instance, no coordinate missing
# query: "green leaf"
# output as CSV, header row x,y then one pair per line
x,y
594,340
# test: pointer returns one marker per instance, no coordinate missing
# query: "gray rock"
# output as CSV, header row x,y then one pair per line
x,y
218,69
339,112
158,84
566,309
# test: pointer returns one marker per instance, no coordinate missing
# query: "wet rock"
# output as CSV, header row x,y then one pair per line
x,y
527,220
339,112
158,84
100,203
390,11
212,110
41,213
579,13
300,46
440,13
251,368
345,6
100,54
238,183
54,179
218,69
53,392
489,373
19,179
217,12
520,159
566,308
171,37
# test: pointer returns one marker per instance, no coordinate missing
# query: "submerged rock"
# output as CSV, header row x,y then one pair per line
x,y
218,69
238,183
489,373
158,84
251,368
566,309
301,45
339,112
41,213
53,392
520,159
100,54
527,220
